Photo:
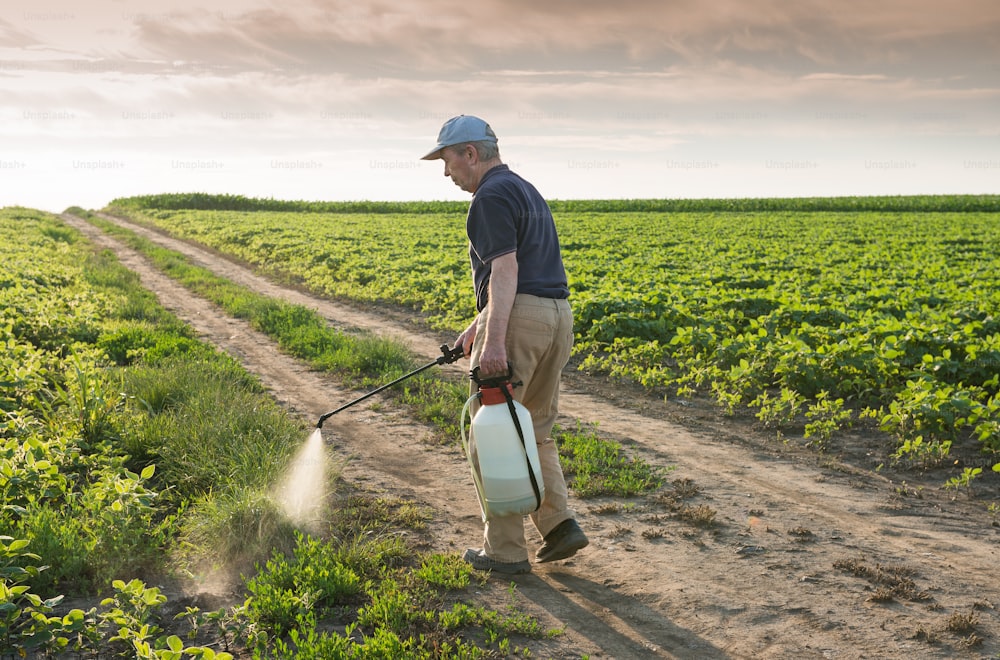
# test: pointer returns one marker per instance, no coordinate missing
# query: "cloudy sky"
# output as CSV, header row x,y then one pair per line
x,y
336,100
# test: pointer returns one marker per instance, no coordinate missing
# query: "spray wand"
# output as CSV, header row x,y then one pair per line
x,y
448,355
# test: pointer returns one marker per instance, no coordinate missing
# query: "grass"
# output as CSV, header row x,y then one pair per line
x,y
595,466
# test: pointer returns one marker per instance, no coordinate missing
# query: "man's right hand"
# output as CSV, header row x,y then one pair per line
x,y
467,337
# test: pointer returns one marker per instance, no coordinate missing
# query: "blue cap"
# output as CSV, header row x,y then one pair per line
x,y
461,130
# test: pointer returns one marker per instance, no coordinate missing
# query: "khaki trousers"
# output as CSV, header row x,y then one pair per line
x,y
539,341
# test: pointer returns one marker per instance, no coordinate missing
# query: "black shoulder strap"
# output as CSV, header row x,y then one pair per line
x,y
520,434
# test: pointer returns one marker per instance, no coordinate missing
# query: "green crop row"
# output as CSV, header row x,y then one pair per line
x,y
815,319
224,202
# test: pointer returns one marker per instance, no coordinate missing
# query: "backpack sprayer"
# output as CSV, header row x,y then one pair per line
x,y
500,446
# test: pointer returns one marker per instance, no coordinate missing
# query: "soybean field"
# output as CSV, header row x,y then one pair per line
x,y
816,315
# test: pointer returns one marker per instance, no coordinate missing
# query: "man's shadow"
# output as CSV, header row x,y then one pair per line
x,y
602,615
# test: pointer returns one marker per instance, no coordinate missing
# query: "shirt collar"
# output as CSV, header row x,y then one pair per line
x,y
502,167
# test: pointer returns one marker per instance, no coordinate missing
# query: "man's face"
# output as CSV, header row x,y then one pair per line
x,y
459,166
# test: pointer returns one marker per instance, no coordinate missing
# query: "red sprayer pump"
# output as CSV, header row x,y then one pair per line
x,y
501,450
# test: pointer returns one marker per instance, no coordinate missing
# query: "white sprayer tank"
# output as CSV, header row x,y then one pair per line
x,y
499,461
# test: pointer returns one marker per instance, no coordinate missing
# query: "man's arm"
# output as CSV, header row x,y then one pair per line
x,y
502,289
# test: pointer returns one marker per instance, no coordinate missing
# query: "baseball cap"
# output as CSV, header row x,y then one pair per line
x,y
461,130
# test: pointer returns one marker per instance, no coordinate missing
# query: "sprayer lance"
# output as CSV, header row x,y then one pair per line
x,y
448,355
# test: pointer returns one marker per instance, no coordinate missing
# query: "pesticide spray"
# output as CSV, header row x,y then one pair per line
x,y
303,487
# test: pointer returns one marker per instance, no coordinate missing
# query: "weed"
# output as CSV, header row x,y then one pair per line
x,y
802,535
92,402
620,531
881,595
361,512
235,529
596,466
699,516
894,581
962,624
903,490
963,480
685,488
445,572
971,642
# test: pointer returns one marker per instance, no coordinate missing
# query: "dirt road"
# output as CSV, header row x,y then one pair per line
x,y
805,557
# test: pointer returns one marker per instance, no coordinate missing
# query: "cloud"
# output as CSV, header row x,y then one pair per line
x,y
838,77
339,80
452,39
12,36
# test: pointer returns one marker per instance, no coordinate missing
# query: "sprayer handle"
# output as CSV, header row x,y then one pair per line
x,y
449,355
493,381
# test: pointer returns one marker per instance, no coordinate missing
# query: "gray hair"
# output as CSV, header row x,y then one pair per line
x,y
486,149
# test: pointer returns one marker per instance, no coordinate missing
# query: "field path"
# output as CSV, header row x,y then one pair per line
x,y
765,581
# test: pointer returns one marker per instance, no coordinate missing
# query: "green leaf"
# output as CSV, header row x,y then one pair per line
x,y
175,644
18,544
148,471
73,620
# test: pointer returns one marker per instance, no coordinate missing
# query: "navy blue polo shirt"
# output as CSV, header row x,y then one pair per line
x,y
508,214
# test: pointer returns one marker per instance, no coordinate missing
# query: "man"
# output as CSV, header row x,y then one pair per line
x,y
524,320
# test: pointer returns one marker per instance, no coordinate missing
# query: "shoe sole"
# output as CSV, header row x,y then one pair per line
x,y
564,552
519,568
516,571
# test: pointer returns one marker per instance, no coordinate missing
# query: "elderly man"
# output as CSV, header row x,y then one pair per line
x,y
524,321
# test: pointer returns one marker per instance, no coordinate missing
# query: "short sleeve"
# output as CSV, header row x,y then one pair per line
x,y
491,227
